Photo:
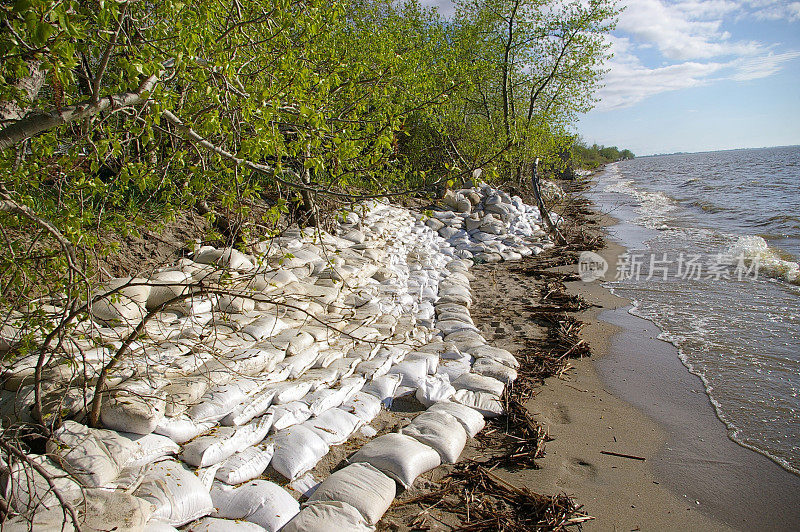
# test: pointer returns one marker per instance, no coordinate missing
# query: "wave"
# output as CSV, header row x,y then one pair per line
x,y
707,206
735,433
653,207
756,254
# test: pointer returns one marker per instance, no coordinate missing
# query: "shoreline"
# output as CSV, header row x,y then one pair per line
x,y
585,420
693,475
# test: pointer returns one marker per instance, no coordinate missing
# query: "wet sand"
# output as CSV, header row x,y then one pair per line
x,y
584,419
636,398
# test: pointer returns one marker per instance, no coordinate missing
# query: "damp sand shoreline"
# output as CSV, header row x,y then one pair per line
x,y
634,397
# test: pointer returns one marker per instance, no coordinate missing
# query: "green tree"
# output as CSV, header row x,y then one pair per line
x,y
537,63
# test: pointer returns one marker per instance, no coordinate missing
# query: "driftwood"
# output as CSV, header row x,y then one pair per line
x,y
543,212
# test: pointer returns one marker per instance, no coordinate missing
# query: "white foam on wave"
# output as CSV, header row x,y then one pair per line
x,y
756,252
735,433
653,207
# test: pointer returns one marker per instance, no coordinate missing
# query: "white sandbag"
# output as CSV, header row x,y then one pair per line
x,y
327,357
216,524
296,341
297,449
501,355
492,368
401,457
286,415
431,360
265,326
274,280
177,494
434,388
302,361
246,465
328,517
383,388
158,526
345,366
126,304
149,448
464,339
98,510
167,285
112,510
287,392
334,426
182,393
486,403
376,367
27,488
360,485
181,429
351,385
226,258
363,405
279,374
324,399
448,326
250,408
138,411
479,383
259,501
221,399
411,372
319,378
252,361
441,431
222,442
94,456
453,369
231,304
470,419
304,485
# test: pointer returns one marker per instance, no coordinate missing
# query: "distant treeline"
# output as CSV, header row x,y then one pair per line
x,y
590,157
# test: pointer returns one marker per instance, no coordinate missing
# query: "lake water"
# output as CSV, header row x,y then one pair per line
x,y
714,245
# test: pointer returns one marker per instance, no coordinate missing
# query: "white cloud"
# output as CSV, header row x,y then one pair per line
x,y
777,11
687,30
694,48
686,45
707,8
445,7
747,69
629,81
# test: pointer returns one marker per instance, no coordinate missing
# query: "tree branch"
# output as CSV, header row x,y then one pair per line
x,y
36,123
65,505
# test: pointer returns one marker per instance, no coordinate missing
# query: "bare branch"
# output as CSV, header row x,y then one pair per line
x,y
11,449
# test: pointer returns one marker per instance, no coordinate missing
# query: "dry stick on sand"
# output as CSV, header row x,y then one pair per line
x,y
623,455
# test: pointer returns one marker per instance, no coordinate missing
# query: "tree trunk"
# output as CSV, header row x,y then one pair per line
x,y
31,85
545,215
308,206
35,123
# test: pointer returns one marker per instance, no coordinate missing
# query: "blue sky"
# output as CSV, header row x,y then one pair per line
x,y
698,75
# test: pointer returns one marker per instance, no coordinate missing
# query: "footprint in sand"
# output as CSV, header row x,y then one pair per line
x,y
583,468
561,414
